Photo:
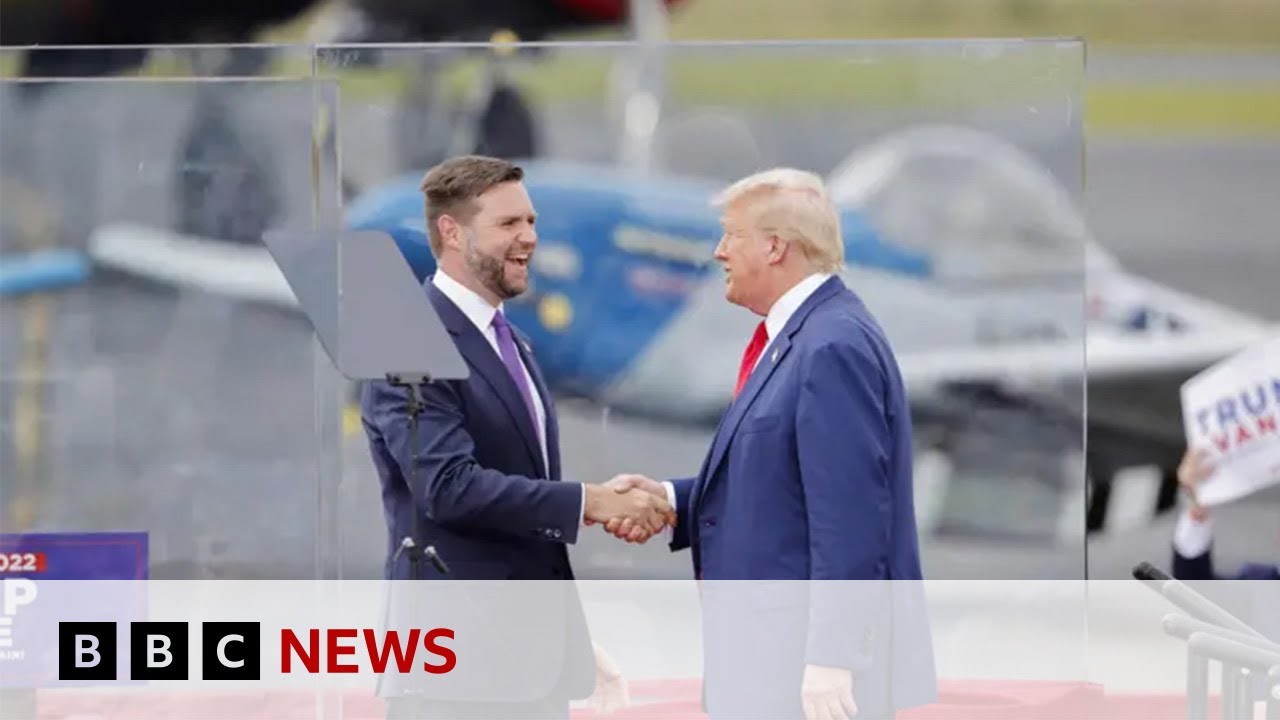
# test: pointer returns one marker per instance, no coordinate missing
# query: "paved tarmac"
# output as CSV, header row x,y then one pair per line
x,y
1149,65
192,417
1198,215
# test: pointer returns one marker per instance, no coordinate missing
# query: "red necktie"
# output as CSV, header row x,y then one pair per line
x,y
754,348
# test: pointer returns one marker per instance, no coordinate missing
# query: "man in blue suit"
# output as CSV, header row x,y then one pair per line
x,y
809,478
481,480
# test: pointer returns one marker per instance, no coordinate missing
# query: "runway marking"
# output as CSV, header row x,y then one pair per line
x,y
36,231
350,420
1133,497
28,431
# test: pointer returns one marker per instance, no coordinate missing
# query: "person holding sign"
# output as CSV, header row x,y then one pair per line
x,y
1231,415
1193,536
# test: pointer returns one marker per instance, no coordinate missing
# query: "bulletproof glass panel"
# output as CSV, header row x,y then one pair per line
x,y
956,169
159,383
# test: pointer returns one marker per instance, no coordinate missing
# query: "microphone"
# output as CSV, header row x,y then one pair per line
x,y
1190,601
1147,571
436,560
409,547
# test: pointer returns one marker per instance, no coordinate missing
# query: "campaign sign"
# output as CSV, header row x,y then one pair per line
x,y
1232,411
34,595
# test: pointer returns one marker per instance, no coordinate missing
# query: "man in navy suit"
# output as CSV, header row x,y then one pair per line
x,y
481,481
809,478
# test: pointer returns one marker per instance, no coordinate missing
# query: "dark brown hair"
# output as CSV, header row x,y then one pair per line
x,y
451,188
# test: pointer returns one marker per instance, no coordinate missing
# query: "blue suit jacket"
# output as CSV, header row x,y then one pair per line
x,y
492,512
809,477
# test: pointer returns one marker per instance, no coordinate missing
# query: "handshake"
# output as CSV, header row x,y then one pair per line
x,y
633,508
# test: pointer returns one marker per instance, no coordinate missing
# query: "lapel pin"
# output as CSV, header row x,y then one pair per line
x,y
774,357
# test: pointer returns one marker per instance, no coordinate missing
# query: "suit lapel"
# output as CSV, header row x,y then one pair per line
x,y
540,387
769,361
479,354
773,355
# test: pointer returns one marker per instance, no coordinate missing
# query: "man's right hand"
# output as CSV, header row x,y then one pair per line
x,y
625,529
627,481
640,511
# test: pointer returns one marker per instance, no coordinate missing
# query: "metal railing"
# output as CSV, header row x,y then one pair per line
x,y
1248,663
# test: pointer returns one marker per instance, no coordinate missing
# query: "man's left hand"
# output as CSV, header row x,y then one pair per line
x,y
827,693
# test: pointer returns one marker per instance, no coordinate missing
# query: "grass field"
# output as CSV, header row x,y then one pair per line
x,y
1157,25
1103,22
1213,23
940,80
942,75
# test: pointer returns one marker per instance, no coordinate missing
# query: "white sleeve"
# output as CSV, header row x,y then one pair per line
x,y
1190,538
671,500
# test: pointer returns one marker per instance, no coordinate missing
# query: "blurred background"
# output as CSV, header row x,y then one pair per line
x,y
1005,202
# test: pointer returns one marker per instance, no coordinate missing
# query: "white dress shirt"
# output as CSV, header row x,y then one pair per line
x,y
787,305
778,317
480,313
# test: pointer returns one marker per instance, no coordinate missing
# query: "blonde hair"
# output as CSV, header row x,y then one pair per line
x,y
793,205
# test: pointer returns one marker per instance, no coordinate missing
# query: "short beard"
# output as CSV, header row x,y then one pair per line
x,y
490,271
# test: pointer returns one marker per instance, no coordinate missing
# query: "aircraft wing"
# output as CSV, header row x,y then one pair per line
x,y
1137,330
244,272
1108,358
1133,381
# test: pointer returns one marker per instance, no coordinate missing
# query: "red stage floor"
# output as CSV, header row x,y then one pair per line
x,y
651,700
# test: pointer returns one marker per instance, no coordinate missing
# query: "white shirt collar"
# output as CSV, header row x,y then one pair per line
x,y
476,308
791,301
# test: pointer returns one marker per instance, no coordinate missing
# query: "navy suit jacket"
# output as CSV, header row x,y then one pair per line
x,y
484,499
809,477
481,493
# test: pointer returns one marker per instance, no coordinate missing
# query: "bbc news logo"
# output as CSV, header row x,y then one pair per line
x,y
159,651
233,651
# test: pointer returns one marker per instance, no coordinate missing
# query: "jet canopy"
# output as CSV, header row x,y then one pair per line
x,y
978,207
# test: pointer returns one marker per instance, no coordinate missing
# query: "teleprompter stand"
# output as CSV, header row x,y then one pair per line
x,y
375,323
412,383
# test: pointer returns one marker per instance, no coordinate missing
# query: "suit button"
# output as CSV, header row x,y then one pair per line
x,y
556,533
709,523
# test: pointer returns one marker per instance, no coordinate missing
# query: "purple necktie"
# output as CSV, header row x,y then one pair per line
x,y
510,358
